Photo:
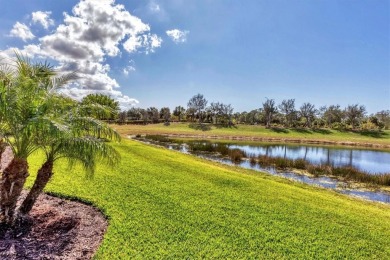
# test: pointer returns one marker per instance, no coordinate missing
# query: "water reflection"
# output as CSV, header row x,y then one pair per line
x,y
375,162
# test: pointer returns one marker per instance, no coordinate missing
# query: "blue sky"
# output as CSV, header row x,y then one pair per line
x,y
162,52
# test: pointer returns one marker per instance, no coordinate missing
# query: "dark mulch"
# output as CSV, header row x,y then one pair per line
x,y
56,229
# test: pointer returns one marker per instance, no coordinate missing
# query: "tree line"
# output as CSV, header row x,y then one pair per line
x,y
285,114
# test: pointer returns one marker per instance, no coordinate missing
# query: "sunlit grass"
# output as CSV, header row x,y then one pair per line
x,y
255,131
164,204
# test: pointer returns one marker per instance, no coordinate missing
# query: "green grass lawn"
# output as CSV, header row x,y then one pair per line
x,y
164,204
261,132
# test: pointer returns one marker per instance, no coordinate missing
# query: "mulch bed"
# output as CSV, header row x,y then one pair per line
x,y
56,229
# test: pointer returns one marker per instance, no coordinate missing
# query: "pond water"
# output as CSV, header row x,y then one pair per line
x,y
367,160
322,181
371,161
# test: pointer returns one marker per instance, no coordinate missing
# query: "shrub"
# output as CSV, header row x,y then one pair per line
x,y
282,163
339,126
300,164
236,155
317,170
264,160
158,138
252,161
222,149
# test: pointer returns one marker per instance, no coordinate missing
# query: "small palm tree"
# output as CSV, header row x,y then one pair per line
x,y
26,92
76,140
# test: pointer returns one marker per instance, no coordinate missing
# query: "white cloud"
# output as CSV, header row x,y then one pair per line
x,y
128,69
154,7
178,36
93,31
149,42
22,31
42,18
125,102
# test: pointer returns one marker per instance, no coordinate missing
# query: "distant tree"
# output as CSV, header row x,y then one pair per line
x,y
215,111
226,113
207,115
179,111
372,123
153,114
269,109
253,117
165,114
237,116
122,118
308,112
354,114
190,114
104,107
198,103
134,113
384,117
144,116
287,109
221,112
332,114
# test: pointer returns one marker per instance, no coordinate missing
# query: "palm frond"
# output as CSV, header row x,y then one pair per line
x,y
57,82
94,127
85,151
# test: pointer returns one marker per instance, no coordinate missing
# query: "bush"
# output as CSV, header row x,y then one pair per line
x,y
317,170
158,138
252,161
369,126
223,149
264,160
300,164
282,162
236,155
339,126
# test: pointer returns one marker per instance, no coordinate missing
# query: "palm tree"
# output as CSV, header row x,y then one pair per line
x,y
26,91
75,141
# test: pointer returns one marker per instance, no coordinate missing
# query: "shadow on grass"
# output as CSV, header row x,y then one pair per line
x,y
225,126
374,134
302,130
322,131
279,130
312,130
202,127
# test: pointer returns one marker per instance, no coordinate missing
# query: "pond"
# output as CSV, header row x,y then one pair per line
x,y
371,161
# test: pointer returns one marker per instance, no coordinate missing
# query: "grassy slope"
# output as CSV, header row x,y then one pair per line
x,y
257,131
163,204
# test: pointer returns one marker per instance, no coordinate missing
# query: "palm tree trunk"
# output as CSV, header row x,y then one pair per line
x,y
12,182
43,177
